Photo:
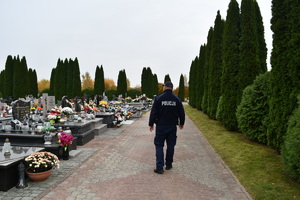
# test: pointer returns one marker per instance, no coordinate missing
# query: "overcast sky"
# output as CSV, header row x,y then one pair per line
x,y
164,35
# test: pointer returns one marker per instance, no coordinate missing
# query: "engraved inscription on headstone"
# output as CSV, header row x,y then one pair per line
x,y
50,102
20,108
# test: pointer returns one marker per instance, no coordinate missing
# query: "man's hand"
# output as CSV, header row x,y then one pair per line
x,y
151,128
180,127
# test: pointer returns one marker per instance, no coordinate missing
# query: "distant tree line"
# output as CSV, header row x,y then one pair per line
x,y
229,79
16,80
65,80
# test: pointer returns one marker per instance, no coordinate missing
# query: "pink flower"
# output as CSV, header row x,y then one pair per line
x,y
65,139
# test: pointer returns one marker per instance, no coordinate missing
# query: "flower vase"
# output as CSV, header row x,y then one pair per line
x,y
48,138
39,176
65,153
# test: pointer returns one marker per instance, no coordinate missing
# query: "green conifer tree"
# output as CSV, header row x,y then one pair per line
x,y
52,81
262,47
76,80
230,60
192,83
285,68
35,89
200,82
155,84
2,75
167,78
122,83
17,82
25,79
144,81
215,69
181,90
97,81
59,68
207,65
8,77
102,82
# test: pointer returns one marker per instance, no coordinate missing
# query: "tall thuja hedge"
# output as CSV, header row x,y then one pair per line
x,y
291,148
215,70
262,47
181,88
24,81
207,65
8,77
150,79
200,82
66,79
252,50
155,84
122,83
76,79
17,84
32,82
102,80
2,75
253,111
149,82
56,80
52,81
144,84
99,84
167,78
285,68
230,62
193,82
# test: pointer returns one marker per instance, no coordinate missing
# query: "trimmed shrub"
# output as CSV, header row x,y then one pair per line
x,y
291,146
252,113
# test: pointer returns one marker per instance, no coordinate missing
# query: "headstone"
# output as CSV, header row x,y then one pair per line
x,y
59,103
36,102
50,102
64,101
20,109
77,105
44,102
105,98
120,98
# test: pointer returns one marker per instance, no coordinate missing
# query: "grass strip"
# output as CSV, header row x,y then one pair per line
x,y
258,167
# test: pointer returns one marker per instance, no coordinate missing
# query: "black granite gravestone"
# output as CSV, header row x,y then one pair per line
x,y
20,109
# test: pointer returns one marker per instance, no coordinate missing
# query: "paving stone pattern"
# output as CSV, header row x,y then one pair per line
x,y
119,165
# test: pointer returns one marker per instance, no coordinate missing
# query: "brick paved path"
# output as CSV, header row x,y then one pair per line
x,y
121,167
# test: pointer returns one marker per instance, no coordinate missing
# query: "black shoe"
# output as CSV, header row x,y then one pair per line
x,y
168,167
159,171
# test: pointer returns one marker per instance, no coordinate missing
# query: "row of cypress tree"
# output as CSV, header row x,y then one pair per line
x,y
65,79
149,82
16,80
235,53
263,105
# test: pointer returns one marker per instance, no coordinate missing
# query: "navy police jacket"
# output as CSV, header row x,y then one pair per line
x,y
167,109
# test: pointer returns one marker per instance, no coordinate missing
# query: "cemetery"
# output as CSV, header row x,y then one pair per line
x,y
35,125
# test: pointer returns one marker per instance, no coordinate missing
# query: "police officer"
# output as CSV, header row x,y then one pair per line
x,y
167,112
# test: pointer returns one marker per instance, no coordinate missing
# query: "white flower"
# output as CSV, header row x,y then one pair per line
x,y
51,117
67,111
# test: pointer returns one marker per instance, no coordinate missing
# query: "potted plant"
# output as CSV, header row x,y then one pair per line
x,y
40,165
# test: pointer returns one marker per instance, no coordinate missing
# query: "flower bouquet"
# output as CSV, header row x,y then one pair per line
x,y
67,111
65,140
41,162
103,104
